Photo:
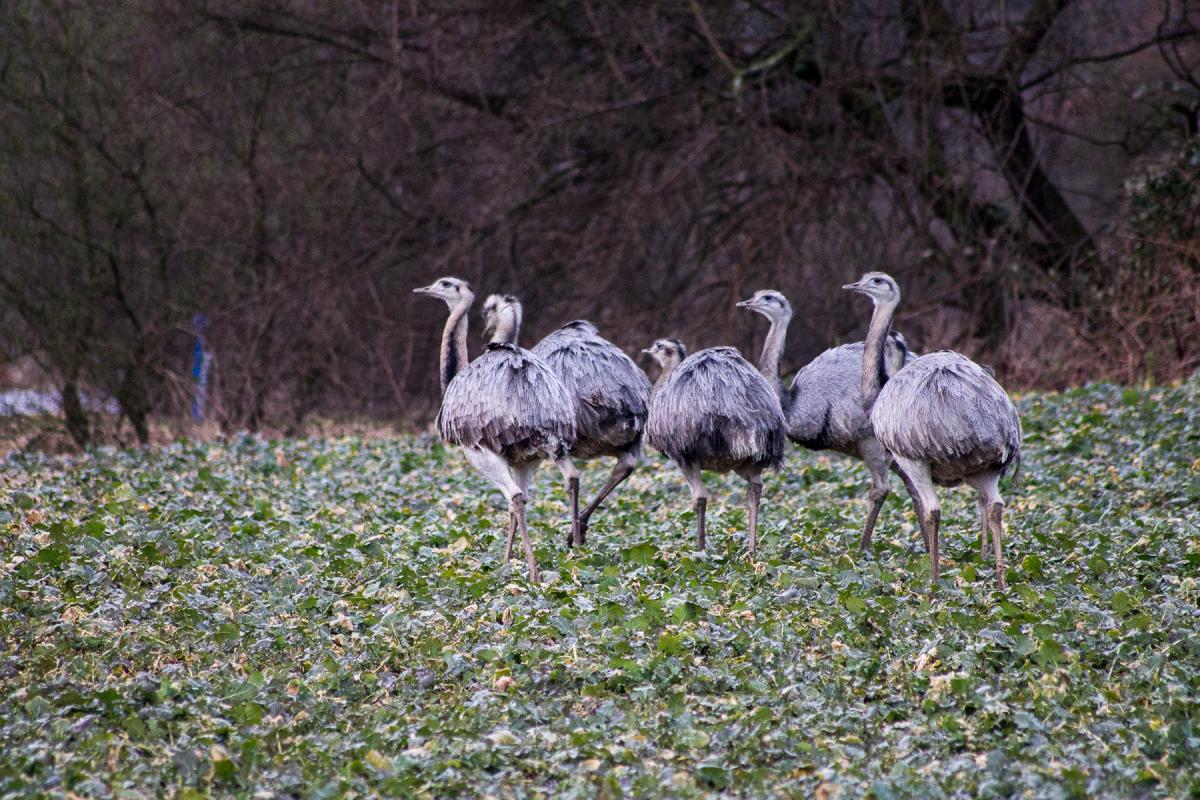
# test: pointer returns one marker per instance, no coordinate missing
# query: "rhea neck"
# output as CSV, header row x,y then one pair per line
x,y
507,325
874,367
772,354
454,340
668,364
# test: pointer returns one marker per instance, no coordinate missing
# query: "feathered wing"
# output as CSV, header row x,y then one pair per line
x,y
825,409
944,408
508,401
716,408
612,392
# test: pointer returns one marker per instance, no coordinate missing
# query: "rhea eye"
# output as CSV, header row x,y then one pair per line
x,y
444,283
877,280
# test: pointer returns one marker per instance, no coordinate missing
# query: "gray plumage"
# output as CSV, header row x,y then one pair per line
x,y
948,411
717,412
613,393
944,420
506,409
714,411
825,409
508,401
612,397
824,406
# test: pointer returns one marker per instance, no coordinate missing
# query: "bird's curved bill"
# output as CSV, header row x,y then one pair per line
x,y
745,303
648,350
853,286
423,290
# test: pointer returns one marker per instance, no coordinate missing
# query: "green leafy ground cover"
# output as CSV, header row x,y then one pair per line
x,y
329,617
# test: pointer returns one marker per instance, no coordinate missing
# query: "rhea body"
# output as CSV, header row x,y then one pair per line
x,y
612,399
944,419
507,409
712,410
823,407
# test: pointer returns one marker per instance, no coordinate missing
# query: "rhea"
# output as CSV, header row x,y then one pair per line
x,y
506,409
612,398
944,420
823,407
712,411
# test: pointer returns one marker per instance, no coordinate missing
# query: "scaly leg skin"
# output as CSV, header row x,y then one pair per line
x,y
753,496
534,576
621,471
876,460
916,500
512,531
935,521
920,484
695,483
571,474
996,512
983,527
877,501
991,510
511,481
574,538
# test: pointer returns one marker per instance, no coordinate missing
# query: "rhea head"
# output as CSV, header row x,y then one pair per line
x,y
878,286
770,303
667,352
452,291
501,318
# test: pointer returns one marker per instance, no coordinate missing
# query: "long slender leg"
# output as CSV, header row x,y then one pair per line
x,y
512,532
753,496
695,483
996,513
916,500
530,560
991,508
524,474
508,480
567,466
876,459
929,510
983,527
622,470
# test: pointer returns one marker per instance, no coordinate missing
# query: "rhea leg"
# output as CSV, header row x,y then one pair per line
x,y
523,474
512,531
567,466
753,496
996,516
695,483
622,470
991,507
876,459
928,507
983,528
511,483
916,500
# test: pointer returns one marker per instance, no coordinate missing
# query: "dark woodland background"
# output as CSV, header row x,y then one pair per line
x,y
291,170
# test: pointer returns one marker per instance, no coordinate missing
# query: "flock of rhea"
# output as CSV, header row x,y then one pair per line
x,y
935,419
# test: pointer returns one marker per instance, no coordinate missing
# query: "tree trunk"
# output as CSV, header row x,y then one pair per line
x,y
78,424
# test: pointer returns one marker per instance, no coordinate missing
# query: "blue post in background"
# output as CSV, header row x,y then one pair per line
x,y
201,359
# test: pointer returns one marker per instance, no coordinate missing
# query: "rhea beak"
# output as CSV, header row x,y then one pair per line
x,y
854,287
648,351
746,304
423,289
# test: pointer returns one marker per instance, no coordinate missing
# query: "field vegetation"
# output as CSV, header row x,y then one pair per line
x,y
329,617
